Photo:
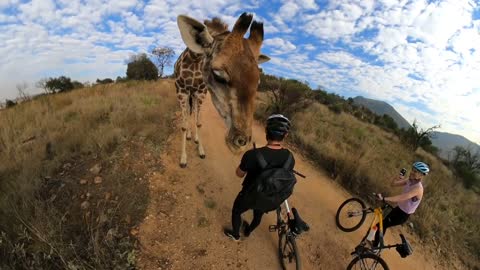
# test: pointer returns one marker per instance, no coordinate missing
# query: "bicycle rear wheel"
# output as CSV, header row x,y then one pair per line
x,y
288,252
367,261
350,215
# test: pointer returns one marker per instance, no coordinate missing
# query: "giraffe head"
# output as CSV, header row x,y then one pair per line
x,y
230,69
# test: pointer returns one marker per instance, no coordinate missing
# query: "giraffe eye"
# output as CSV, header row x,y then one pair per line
x,y
220,76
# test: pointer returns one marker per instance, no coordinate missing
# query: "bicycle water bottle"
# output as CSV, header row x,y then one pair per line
x,y
371,234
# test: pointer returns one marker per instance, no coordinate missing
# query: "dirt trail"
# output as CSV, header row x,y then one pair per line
x,y
190,207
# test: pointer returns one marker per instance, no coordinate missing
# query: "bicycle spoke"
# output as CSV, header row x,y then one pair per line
x,y
288,253
368,264
352,215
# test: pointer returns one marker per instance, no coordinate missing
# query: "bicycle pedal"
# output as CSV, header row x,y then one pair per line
x,y
272,228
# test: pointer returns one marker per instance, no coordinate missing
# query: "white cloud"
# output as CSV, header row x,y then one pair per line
x,y
288,10
279,45
309,47
7,19
7,3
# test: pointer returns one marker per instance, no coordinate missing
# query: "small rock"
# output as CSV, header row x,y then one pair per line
x,y
97,180
85,205
82,196
134,231
67,165
410,224
96,169
88,194
83,181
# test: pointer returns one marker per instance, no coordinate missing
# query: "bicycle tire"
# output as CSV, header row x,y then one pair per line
x,y
341,225
288,252
379,262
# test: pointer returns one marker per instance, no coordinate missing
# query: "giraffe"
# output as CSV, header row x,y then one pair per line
x,y
225,64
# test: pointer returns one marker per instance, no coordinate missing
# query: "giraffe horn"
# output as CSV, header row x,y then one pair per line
x,y
256,36
242,24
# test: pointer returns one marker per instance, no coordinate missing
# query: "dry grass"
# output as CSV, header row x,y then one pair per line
x,y
364,158
48,145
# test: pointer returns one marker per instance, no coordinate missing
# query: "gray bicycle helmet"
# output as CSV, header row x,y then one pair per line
x,y
278,124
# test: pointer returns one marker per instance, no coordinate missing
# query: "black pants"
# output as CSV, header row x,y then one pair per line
x,y
395,217
240,206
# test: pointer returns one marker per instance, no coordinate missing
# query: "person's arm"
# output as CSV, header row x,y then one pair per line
x,y
244,165
405,196
240,173
399,181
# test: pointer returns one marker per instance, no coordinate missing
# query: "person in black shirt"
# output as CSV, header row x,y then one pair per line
x,y
275,155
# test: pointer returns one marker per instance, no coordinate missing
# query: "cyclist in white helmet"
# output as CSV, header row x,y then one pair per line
x,y
408,201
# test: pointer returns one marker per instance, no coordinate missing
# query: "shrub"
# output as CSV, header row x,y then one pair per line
x,y
104,81
60,84
10,103
142,68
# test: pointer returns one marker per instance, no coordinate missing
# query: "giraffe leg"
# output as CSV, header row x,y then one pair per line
x,y
189,113
183,99
197,105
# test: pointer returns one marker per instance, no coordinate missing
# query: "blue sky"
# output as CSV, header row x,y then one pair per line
x,y
422,57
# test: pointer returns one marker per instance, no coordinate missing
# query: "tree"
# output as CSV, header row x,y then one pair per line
x,y
141,68
60,84
77,84
42,83
163,57
416,136
467,165
21,88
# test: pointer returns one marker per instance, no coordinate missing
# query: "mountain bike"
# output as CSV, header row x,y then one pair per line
x,y
289,226
367,257
352,213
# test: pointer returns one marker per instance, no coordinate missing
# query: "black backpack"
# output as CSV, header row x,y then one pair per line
x,y
273,185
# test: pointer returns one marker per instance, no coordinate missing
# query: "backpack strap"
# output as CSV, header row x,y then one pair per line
x,y
287,163
261,160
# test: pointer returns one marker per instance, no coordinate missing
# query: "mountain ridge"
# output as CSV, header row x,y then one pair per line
x,y
444,141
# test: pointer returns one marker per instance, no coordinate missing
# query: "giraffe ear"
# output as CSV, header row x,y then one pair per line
x,y
262,59
194,34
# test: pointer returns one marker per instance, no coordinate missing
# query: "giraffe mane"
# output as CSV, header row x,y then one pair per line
x,y
216,26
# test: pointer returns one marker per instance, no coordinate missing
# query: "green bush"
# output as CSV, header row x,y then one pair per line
x,y
142,68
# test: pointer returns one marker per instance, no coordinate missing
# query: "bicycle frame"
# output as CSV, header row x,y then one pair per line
x,y
281,225
378,218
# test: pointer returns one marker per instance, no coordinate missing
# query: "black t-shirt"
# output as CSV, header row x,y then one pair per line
x,y
273,157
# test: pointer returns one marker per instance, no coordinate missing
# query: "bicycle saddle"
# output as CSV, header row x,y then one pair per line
x,y
298,225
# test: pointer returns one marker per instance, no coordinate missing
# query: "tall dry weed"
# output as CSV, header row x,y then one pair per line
x,y
47,144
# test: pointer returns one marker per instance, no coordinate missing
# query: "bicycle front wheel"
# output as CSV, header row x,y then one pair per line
x,y
350,215
367,261
288,252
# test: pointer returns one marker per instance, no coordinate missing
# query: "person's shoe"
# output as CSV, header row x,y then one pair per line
x,y
246,229
229,233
